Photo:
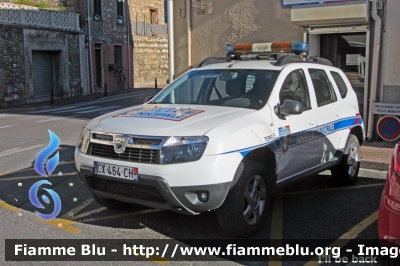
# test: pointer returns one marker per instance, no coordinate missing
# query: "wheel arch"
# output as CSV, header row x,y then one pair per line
x,y
266,157
358,132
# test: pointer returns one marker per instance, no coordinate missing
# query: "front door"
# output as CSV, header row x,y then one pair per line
x,y
296,145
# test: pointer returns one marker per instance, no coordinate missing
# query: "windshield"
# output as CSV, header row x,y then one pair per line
x,y
221,87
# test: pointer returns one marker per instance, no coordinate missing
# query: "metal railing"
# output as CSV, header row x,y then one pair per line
x,y
13,14
144,28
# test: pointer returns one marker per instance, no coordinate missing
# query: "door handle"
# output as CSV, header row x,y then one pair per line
x,y
338,114
314,122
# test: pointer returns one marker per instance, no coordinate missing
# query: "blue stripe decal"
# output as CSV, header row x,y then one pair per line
x,y
306,135
244,153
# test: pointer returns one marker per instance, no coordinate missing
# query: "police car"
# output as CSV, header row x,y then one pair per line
x,y
223,135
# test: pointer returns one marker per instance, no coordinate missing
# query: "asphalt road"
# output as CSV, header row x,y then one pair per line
x,y
313,208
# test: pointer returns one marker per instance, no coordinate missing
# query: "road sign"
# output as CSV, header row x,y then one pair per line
x,y
389,128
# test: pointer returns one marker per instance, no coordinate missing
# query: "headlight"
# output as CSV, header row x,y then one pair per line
x,y
83,142
183,149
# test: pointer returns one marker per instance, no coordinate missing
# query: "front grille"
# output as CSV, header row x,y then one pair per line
x,y
126,189
130,154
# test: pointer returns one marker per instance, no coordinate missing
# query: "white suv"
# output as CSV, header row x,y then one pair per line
x,y
221,136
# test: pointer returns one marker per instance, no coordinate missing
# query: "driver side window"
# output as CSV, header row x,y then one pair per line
x,y
295,88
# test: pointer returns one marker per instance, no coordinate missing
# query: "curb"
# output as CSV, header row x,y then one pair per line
x,y
95,99
374,165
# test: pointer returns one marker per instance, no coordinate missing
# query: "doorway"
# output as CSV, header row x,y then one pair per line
x,y
43,72
99,65
347,48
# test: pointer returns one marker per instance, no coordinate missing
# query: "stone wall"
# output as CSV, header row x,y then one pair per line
x,y
12,71
16,45
150,59
74,65
140,10
107,30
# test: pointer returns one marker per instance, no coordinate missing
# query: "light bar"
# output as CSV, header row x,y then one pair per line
x,y
270,47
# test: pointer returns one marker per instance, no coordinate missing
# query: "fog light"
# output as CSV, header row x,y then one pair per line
x,y
203,196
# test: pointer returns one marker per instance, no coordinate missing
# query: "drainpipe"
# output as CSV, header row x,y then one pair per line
x,y
90,48
128,25
171,64
375,66
189,33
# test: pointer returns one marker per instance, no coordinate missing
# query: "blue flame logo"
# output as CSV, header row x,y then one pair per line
x,y
45,153
51,165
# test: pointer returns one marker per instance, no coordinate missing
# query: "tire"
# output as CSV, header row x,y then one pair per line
x,y
346,172
244,211
112,204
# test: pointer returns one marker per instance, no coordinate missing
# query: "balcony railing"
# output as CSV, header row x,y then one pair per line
x,y
13,14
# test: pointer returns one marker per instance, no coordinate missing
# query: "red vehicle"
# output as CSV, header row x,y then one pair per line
x,y
389,209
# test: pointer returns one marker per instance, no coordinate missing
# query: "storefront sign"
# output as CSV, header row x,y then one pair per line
x,y
386,109
290,3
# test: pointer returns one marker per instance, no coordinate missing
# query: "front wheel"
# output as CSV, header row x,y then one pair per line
x,y
245,209
346,171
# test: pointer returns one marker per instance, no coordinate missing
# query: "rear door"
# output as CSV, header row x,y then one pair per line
x,y
329,116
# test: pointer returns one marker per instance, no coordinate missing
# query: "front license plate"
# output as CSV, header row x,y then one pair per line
x,y
131,173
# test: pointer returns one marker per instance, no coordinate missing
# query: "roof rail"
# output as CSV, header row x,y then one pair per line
x,y
214,60
287,59
283,60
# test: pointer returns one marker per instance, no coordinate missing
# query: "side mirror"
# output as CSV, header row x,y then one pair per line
x,y
148,98
289,107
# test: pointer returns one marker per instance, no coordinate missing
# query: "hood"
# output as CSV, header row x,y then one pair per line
x,y
166,119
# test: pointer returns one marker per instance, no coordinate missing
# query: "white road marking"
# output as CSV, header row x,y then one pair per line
x,y
51,110
74,110
10,150
5,126
18,150
98,109
50,119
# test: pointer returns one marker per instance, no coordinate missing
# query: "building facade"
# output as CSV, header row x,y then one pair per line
x,y
125,34
347,32
41,53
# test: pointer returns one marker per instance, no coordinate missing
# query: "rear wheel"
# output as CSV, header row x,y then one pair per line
x,y
245,209
112,204
346,171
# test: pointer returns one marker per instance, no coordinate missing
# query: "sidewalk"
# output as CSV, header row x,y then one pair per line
x,y
375,155
74,100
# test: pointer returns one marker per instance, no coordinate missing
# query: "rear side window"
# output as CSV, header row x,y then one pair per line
x,y
340,84
323,89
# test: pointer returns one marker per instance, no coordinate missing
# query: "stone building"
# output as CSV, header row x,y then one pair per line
x,y
40,51
125,34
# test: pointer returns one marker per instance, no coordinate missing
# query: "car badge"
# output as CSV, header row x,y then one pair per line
x,y
120,142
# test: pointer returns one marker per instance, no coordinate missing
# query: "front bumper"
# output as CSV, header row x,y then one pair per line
x,y
154,192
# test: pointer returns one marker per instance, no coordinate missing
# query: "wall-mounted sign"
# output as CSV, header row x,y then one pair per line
x,y
386,109
202,7
290,3
388,128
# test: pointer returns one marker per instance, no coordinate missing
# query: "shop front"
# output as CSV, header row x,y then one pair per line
x,y
340,32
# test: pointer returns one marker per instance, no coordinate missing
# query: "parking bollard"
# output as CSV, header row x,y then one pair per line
x,y
155,83
52,96
105,89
